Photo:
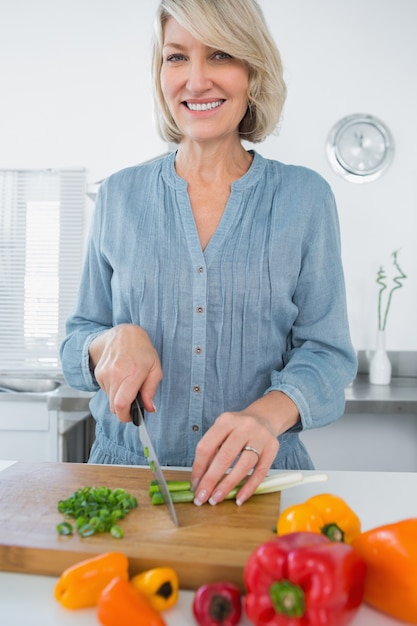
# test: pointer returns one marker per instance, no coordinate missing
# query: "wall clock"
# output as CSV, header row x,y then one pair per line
x,y
359,148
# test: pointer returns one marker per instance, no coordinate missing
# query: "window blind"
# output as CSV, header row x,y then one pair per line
x,y
42,220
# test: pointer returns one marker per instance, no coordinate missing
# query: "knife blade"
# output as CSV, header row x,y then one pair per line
x,y
137,419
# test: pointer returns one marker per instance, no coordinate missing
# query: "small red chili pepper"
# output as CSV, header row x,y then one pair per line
x,y
217,604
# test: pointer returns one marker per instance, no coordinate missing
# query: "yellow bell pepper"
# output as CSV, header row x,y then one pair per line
x,y
80,585
160,585
326,514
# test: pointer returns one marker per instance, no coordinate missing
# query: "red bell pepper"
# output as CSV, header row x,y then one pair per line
x,y
217,604
303,579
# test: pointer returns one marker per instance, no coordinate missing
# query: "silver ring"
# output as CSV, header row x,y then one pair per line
x,y
251,449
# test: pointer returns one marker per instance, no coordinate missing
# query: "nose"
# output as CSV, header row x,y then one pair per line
x,y
198,79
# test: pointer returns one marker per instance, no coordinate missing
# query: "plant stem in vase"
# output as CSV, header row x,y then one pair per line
x,y
380,366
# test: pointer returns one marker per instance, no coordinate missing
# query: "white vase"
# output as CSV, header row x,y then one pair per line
x,y
380,365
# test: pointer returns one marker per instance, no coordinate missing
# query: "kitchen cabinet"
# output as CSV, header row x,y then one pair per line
x,y
55,426
25,431
378,431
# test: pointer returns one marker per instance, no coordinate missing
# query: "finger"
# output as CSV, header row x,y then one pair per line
x,y
251,467
203,458
260,470
212,479
251,484
215,454
207,449
123,391
149,387
238,473
123,398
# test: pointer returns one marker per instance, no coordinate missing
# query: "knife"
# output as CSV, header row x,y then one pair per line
x,y
137,419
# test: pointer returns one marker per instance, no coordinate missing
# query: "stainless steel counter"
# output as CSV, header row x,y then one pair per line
x,y
400,396
361,397
63,398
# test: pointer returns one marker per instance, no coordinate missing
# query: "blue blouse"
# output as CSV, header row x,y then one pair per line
x,y
263,307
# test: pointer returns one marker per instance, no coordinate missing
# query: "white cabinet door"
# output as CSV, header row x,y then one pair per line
x,y
28,431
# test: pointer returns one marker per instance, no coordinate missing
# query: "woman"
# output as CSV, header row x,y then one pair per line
x,y
213,282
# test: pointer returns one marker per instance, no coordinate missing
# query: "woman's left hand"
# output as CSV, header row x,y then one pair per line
x,y
248,440
218,449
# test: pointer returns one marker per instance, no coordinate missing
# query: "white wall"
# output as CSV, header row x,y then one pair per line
x,y
75,91
75,84
357,57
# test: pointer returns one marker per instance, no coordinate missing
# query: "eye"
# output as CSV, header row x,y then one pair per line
x,y
221,56
175,58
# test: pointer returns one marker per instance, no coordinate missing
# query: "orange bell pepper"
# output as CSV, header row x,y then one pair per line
x,y
326,514
160,585
390,552
120,604
80,585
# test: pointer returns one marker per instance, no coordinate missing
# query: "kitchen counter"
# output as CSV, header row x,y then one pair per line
x,y
377,497
63,398
400,396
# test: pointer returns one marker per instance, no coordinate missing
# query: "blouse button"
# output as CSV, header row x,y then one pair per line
x,y
199,309
198,350
196,428
201,270
196,389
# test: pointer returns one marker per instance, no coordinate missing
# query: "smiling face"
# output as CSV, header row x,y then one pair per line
x,y
205,89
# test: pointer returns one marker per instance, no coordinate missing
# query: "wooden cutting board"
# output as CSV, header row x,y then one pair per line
x,y
212,543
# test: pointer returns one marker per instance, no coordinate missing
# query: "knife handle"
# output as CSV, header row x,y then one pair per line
x,y
134,409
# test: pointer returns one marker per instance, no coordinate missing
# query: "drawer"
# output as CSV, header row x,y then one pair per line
x,y
23,416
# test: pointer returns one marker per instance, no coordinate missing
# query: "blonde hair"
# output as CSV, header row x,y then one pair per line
x,y
238,28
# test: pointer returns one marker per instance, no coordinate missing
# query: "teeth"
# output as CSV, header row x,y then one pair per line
x,y
205,106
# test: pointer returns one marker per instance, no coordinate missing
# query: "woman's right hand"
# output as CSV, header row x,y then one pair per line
x,y
125,361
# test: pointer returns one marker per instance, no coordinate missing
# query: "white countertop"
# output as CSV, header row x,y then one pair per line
x,y
377,497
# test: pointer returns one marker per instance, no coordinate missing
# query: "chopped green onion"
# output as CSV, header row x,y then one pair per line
x,y
64,528
96,510
87,530
116,532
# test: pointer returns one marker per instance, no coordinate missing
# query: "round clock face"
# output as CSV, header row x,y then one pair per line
x,y
359,148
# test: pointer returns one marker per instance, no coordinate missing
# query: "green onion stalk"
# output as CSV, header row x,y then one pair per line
x,y
181,490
